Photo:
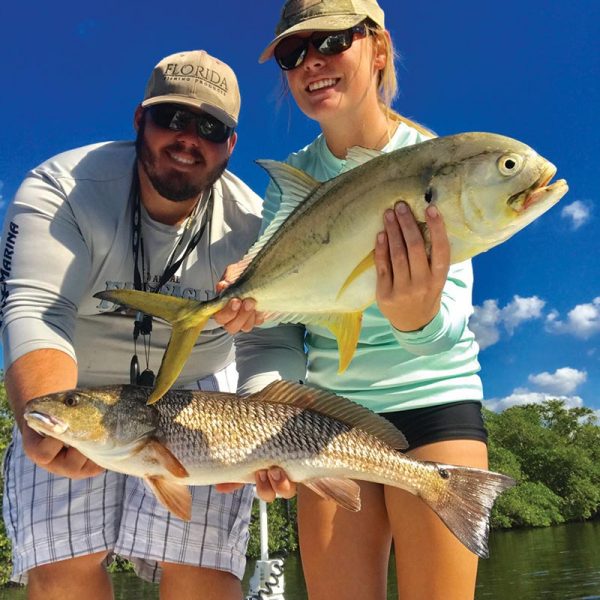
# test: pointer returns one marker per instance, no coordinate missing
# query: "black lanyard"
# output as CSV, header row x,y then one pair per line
x,y
143,322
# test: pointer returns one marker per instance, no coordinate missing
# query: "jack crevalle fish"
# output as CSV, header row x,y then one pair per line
x,y
321,440
315,262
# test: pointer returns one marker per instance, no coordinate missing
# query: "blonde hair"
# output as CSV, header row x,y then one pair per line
x,y
387,84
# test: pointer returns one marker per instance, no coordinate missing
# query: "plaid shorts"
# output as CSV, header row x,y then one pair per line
x,y
50,518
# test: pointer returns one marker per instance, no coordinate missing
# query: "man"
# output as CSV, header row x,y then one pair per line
x,y
161,214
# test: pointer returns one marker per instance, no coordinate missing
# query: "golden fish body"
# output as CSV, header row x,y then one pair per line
x,y
321,440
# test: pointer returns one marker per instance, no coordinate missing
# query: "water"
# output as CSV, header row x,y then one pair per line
x,y
557,563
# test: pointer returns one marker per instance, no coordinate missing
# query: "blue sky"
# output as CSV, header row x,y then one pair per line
x,y
74,72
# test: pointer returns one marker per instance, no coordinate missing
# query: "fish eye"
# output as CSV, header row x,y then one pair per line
x,y
510,164
71,400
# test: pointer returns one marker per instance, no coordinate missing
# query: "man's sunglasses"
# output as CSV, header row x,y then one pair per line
x,y
291,51
177,118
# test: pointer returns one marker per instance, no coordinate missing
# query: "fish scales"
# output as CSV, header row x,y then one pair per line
x,y
229,431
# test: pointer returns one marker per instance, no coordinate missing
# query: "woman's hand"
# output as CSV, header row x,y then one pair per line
x,y
409,284
270,483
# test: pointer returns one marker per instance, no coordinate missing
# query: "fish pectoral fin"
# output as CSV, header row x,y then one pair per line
x,y
178,350
157,452
344,492
174,497
346,329
365,264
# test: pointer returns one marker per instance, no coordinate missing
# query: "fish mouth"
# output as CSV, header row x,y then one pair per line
x,y
45,423
539,191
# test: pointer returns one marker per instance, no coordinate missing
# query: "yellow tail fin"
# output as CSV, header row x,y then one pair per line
x,y
188,318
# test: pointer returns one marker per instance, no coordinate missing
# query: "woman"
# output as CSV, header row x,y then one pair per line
x,y
416,361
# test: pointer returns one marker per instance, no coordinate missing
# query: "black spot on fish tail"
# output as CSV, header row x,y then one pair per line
x,y
444,473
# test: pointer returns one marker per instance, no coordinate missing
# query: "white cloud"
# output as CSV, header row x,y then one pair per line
x,y
559,385
521,310
484,323
583,321
522,396
488,319
1,196
562,381
578,213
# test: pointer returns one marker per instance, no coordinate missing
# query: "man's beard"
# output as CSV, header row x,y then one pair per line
x,y
174,186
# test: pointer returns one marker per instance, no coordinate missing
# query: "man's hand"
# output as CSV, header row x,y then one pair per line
x,y
238,315
270,483
51,454
38,373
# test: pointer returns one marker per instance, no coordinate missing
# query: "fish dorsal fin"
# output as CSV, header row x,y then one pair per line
x,y
357,155
295,185
331,405
174,497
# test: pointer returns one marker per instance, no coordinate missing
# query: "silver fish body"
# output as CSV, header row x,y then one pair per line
x,y
314,264
321,440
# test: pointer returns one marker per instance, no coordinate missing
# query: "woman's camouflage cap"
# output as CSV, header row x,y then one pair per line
x,y
322,15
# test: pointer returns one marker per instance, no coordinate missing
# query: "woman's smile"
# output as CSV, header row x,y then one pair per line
x,y
321,84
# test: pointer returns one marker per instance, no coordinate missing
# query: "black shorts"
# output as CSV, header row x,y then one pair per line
x,y
453,421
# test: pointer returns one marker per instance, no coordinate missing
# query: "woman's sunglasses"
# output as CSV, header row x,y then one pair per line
x,y
177,118
291,51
